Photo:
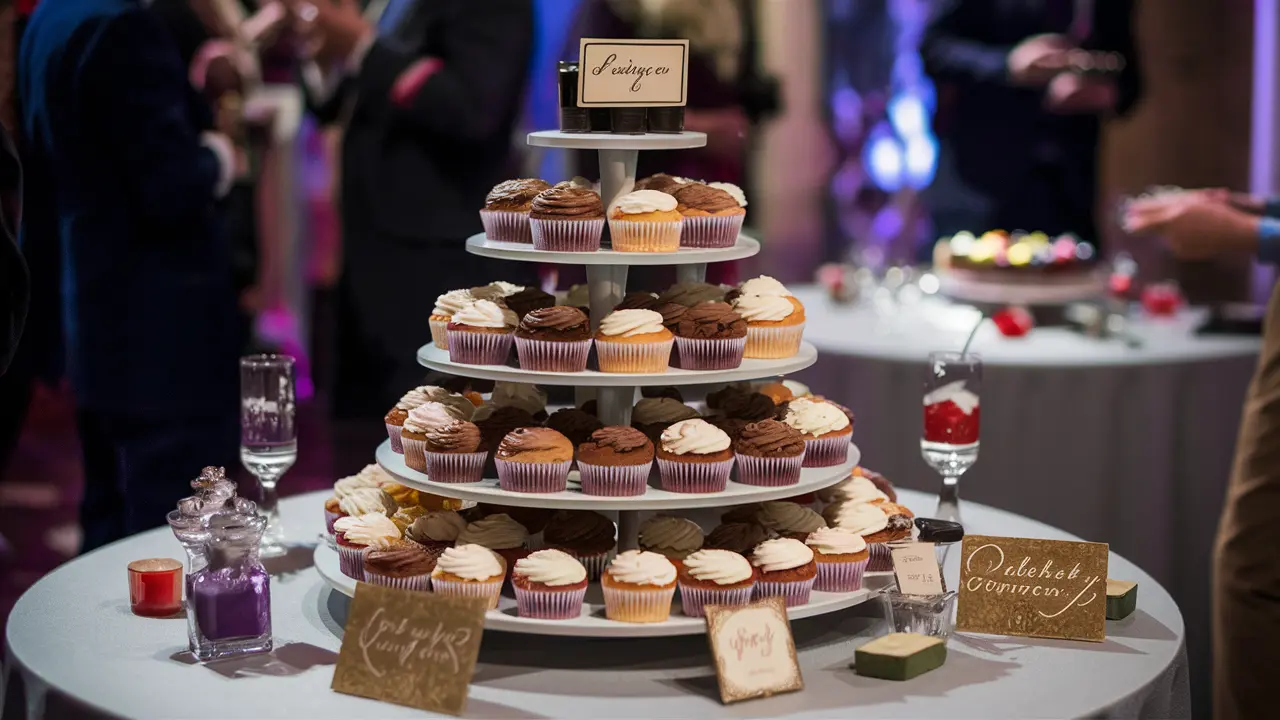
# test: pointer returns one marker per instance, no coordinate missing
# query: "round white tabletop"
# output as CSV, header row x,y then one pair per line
x,y
72,633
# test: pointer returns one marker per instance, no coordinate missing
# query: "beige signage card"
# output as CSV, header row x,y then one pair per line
x,y
754,652
916,568
622,73
1038,588
410,648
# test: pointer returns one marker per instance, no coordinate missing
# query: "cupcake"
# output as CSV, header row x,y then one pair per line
x,y
554,339
712,217
395,418
662,391
694,456
787,570
661,182
774,325
497,291
633,341
732,427
769,453
496,423
470,571
789,519
674,538
739,537
653,415
480,334
533,520
638,587
761,285
615,462
437,529
876,526
549,585
638,301
368,500
714,577
453,453
341,489
645,221
825,428
747,405
534,460
567,218
402,564
357,532
689,294
855,488
526,300
500,533
589,537
710,336
458,405
575,424
842,557
421,422
506,209
446,305
525,396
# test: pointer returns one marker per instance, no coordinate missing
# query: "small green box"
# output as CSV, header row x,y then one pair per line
x,y
900,656
1122,599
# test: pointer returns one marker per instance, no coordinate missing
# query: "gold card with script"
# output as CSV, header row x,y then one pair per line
x,y
1036,588
410,648
754,652
626,73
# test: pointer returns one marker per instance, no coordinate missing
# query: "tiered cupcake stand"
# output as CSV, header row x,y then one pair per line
x,y
615,394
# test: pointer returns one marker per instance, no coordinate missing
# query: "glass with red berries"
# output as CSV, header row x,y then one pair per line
x,y
951,420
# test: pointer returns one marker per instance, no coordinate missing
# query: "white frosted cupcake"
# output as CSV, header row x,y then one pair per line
x,y
343,488
421,422
638,587
775,325
787,570
872,523
645,221
355,533
633,341
842,556
446,305
714,577
549,585
694,456
481,333
470,571
826,430
394,419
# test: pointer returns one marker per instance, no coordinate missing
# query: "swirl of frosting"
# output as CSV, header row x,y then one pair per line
x,y
645,201
496,532
761,308
496,290
452,301
660,181
678,535
427,417
721,567
734,191
738,536
371,529
781,554
400,560
835,541
770,438
694,437
858,489
374,473
514,194
860,518
529,398
689,294
567,203
437,526
458,436
369,500
619,439
764,285
661,410
788,517
470,562
637,567
458,406
705,198
815,417
484,313
412,399
348,485
551,567
629,323
557,317
711,320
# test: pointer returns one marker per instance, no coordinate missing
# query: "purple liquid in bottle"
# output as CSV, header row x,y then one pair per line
x,y
232,604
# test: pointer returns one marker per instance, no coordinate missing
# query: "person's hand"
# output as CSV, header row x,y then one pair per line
x,y
1036,60
330,31
1244,202
1196,228
1071,94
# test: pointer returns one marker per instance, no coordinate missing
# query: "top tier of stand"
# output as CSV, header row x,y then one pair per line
x,y
608,141
478,244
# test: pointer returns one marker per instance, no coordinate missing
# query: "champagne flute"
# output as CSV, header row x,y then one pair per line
x,y
268,434
951,420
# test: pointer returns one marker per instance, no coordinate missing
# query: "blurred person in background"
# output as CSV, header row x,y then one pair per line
x,y
14,281
1018,116
121,191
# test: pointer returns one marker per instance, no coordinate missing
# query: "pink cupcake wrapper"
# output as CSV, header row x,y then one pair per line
x,y
795,592
841,576
881,559
825,452
614,480
479,348
631,236
455,467
418,583
440,333
553,356
652,357
716,231
488,590
506,226
693,599
685,477
566,235
772,343
351,561
415,454
330,518
769,472
532,477
655,606
549,605
393,434
719,354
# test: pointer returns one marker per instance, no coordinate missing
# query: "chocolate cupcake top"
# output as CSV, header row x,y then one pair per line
x,y
529,299
711,321
752,407
514,195
501,421
560,322
692,293
638,301
661,410
459,436
770,439
580,529
574,424
401,560
567,202
534,440
731,426
697,196
661,182
740,537
616,445
658,391
671,314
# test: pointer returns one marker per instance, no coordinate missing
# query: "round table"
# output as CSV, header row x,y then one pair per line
x,y
73,640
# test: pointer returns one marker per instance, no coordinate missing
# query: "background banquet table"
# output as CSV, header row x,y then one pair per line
x,y
1131,446
77,649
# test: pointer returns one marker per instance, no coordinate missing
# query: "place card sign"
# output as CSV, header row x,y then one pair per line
x,y
916,568
410,648
754,652
1036,588
623,73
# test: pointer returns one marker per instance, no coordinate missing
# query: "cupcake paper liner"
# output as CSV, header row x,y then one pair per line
x,y
506,226
775,342
825,452
685,477
638,606
440,333
490,589
329,519
566,235
881,559
794,592
769,472
419,583
393,434
614,480
702,354
415,454
549,604
351,561
693,599
532,477
625,357
632,236
455,467
479,348
840,576
553,356
713,231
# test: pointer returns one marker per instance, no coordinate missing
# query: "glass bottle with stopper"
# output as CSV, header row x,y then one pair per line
x,y
229,605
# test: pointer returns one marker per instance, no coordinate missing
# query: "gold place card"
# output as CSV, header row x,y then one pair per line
x,y
622,73
1037,588
915,566
754,652
410,648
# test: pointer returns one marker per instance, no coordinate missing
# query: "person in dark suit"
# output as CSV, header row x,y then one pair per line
x,y
121,188
1018,114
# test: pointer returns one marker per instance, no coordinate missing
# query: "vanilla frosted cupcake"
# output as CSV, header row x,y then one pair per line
x,y
842,556
714,577
498,532
874,524
633,341
645,221
855,488
470,571
775,325
826,430
343,488
423,420
712,216
357,533
787,570
395,418
694,456
446,305
675,538
481,333
638,587
369,500
549,585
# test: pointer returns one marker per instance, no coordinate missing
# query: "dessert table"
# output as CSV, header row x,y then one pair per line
x,y
76,649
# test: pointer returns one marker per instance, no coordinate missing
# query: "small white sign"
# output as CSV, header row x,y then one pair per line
x,y
916,567
626,73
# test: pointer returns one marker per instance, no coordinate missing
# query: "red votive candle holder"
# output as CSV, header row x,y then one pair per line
x,y
155,587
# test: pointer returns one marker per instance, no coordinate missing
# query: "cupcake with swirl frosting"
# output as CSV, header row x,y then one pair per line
x,y
789,519
417,426
528,299
549,585
787,570
653,415
710,336
633,341
453,453
395,418
567,218
446,305
505,215
534,460
878,523
437,529
712,217
826,430
588,536
842,556
714,577
554,339
500,533
615,462
355,533
661,182
694,456
638,587
470,571
769,453
775,326
645,221
480,334
405,565
689,294
675,538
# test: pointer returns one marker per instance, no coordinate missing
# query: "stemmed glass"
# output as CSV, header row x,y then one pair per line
x,y
268,435
951,419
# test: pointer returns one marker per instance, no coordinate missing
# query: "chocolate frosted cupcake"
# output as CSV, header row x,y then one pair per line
x,y
498,422
588,536
527,300
405,565
534,460
711,336
712,217
661,182
506,209
615,462
659,391
740,537
638,301
769,453
692,293
732,427
653,415
554,339
453,453
737,403
567,218
574,424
